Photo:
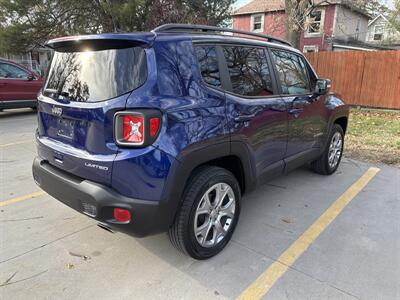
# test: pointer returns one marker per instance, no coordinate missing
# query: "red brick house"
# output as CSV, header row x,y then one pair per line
x,y
332,26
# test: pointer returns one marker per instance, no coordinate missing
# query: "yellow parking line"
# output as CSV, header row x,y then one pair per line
x,y
15,143
22,198
266,280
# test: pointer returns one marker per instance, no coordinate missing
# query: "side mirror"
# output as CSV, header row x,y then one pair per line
x,y
30,77
322,87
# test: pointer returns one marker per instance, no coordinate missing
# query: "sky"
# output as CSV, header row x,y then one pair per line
x,y
240,3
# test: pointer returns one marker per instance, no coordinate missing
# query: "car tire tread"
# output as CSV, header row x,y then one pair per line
x,y
321,165
179,232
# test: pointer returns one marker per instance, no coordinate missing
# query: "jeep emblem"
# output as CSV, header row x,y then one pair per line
x,y
56,111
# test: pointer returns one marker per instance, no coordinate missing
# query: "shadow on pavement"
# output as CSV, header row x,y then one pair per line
x,y
20,112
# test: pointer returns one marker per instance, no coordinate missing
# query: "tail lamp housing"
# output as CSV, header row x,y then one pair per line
x,y
137,128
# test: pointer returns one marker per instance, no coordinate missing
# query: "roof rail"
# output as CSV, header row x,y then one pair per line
x,y
207,28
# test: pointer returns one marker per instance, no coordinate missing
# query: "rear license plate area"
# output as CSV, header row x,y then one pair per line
x,y
66,128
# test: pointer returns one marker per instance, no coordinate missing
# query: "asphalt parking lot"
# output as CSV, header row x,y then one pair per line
x,y
49,251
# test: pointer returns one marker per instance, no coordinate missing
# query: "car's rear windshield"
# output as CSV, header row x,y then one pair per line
x,y
91,76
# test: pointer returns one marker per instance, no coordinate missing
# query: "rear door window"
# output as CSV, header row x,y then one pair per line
x,y
208,64
292,73
12,72
91,76
249,71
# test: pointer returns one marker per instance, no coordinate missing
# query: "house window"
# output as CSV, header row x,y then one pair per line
x,y
315,22
378,33
310,48
257,23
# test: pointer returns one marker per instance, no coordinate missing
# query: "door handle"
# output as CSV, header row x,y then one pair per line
x,y
300,103
295,111
244,118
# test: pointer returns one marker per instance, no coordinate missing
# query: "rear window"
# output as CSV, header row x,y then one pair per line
x,y
208,63
91,76
249,71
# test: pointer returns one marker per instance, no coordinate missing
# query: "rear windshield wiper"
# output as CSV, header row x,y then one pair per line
x,y
53,92
56,93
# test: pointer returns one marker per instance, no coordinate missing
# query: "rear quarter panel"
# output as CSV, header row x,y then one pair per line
x,y
193,119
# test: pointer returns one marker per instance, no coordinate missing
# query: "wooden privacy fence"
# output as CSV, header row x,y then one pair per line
x,y
362,78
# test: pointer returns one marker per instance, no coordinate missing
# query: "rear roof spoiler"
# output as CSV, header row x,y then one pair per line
x,y
101,41
121,40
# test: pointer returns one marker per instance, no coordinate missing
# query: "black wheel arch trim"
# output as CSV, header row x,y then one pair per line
x,y
188,161
337,111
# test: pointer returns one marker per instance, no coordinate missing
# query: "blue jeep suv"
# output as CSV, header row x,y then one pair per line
x,y
166,130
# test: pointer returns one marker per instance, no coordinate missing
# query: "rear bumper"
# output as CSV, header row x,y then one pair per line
x,y
98,201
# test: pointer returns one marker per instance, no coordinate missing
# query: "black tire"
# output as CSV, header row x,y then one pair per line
x,y
321,165
182,232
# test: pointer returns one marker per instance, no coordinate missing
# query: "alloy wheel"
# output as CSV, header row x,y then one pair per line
x,y
335,150
214,215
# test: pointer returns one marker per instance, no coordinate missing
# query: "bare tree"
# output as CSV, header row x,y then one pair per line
x,y
394,16
24,24
299,14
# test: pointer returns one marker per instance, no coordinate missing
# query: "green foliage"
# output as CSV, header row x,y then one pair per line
x,y
394,16
27,23
371,7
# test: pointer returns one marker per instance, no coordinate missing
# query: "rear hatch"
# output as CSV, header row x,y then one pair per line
x,y
88,81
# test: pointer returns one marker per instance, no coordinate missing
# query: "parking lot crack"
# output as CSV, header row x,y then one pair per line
x,y
323,282
278,228
25,219
9,279
352,162
9,282
276,186
46,244
253,250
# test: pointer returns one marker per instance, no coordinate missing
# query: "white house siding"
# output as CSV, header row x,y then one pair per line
x,y
350,24
389,33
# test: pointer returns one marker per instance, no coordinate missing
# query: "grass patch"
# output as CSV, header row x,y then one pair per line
x,y
374,135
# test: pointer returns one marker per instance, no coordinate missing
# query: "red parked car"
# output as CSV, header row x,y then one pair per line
x,y
18,86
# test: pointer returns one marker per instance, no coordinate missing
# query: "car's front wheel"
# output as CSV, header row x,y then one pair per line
x,y
209,213
330,159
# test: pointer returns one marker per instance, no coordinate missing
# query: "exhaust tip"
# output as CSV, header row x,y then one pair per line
x,y
105,227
